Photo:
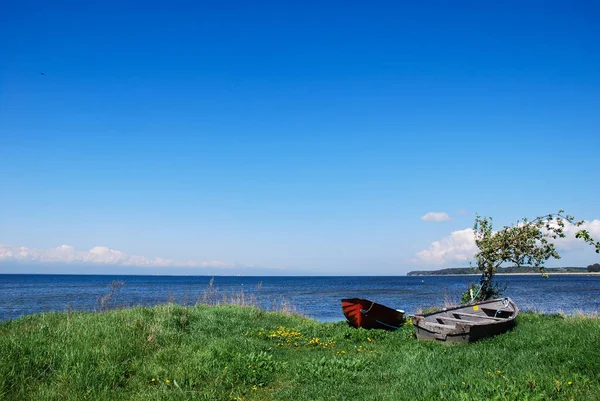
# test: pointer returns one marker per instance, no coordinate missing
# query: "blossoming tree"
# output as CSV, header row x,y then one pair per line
x,y
525,243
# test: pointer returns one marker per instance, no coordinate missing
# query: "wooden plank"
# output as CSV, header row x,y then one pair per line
x,y
446,326
457,320
479,316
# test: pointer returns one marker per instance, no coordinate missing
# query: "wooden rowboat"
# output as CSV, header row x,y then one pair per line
x,y
371,315
467,323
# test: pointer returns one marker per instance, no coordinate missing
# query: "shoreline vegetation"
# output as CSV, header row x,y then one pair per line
x,y
233,352
514,270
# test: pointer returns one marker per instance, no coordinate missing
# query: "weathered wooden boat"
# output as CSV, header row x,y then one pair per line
x,y
371,315
467,323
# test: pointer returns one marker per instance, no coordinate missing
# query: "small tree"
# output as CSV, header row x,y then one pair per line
x,y
525,243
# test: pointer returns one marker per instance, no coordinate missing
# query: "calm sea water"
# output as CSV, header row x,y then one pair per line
x,y
317,297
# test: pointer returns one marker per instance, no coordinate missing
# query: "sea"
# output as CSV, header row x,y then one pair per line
x,y
315,297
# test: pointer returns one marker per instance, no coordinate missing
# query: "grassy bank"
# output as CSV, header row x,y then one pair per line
x,y
236,353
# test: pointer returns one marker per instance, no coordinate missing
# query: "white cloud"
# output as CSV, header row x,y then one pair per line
x,y
456,247
96,255
436,216
460,246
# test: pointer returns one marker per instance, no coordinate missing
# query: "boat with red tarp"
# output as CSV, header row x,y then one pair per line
x,y
371,315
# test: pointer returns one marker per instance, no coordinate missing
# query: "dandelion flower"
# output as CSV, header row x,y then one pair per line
x,y
569,383
168,381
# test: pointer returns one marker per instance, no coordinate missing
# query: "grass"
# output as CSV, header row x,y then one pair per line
x,y
243,353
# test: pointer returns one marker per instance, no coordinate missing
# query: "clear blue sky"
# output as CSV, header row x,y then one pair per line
x,y
306,136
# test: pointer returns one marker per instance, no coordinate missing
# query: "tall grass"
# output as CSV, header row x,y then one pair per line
x,y
210,295
228,352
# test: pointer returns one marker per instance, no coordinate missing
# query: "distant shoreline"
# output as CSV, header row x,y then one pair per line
x,y
505,271
511,274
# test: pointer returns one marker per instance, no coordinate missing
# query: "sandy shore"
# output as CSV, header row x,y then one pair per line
x,y
550,274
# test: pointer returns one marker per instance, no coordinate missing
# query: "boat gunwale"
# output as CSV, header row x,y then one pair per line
x,y
515,310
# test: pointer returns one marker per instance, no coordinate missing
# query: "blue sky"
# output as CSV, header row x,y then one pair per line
x,y
302,137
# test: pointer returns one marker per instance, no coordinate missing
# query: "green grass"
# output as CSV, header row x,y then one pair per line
x,y
231,352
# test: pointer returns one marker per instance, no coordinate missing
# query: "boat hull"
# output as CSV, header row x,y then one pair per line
x,y
362,313
467,323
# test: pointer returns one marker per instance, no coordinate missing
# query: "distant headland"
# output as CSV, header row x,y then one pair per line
x,y
504,270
